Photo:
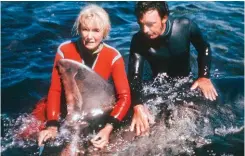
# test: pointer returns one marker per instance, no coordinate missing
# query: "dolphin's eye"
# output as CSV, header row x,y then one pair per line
x,y
68,70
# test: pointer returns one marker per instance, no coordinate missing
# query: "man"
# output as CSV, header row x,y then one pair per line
x,y
165,43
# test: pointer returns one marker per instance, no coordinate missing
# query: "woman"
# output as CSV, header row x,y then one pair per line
x,y
93,26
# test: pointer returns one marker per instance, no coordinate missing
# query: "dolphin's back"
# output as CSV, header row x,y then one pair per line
x,y
88,89
96,92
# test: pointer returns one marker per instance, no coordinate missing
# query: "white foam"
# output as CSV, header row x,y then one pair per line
x,y
228,130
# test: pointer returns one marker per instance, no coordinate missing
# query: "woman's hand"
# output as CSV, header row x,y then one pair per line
x,y
102,138
44,135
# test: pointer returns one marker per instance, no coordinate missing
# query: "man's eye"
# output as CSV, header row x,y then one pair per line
x,y
149,24
141,25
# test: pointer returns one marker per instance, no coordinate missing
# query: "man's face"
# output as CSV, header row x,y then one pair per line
x,y
151,24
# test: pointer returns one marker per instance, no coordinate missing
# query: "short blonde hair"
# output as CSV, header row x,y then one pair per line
x,y
97,14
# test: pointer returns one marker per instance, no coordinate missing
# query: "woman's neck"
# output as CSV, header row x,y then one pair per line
x,y
98,49
95,50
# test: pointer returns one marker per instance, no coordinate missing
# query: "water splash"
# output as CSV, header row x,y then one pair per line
x,y
223,131
191,123
16,128
184,121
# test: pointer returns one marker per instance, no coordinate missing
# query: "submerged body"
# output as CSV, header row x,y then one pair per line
x,y
185,120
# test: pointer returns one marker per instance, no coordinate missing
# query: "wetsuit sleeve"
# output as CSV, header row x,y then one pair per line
x,y
53,103
135,71
203,49
122,91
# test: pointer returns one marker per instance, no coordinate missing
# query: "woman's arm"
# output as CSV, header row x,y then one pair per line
x,y
53,106
121,107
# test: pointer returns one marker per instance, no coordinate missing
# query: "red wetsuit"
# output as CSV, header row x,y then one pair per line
x,y
108,62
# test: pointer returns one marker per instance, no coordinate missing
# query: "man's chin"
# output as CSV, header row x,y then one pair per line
x,y
151,37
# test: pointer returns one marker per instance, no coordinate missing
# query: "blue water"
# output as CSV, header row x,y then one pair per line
x,y
32,31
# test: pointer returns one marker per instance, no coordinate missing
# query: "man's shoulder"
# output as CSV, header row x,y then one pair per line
x,y
137,35
138,38
182,20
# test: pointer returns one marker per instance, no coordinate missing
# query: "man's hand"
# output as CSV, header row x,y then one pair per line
x,y
102,138
44,135
141,120
207,88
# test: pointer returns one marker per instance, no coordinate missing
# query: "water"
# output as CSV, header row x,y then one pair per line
x,y
32,31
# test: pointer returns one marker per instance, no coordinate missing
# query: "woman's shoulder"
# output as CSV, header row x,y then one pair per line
x,y
111,50
110,54
66,44
66,48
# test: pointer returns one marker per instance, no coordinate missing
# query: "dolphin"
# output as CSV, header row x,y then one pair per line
x,y
85,91
88,97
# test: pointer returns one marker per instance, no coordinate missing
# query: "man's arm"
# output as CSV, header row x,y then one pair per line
x,y
135,70
204,63
140,119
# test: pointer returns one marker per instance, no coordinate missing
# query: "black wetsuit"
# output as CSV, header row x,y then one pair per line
x,y
169,53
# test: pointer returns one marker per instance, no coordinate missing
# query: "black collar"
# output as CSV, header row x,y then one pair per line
x,y
168,28
87,57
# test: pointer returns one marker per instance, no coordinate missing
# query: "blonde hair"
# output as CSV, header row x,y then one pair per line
x,y
93,13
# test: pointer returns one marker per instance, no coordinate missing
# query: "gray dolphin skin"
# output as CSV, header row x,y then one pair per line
x,y
86,92
88,97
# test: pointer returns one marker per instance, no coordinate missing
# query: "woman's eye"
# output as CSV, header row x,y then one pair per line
x,y
84,29
96,30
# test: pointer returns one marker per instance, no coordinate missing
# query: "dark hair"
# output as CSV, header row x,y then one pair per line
x,y
142,7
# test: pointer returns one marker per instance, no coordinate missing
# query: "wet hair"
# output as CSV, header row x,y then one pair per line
x,y
143,6
95,14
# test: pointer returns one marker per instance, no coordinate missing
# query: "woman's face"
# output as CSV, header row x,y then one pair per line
x,y
92,34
